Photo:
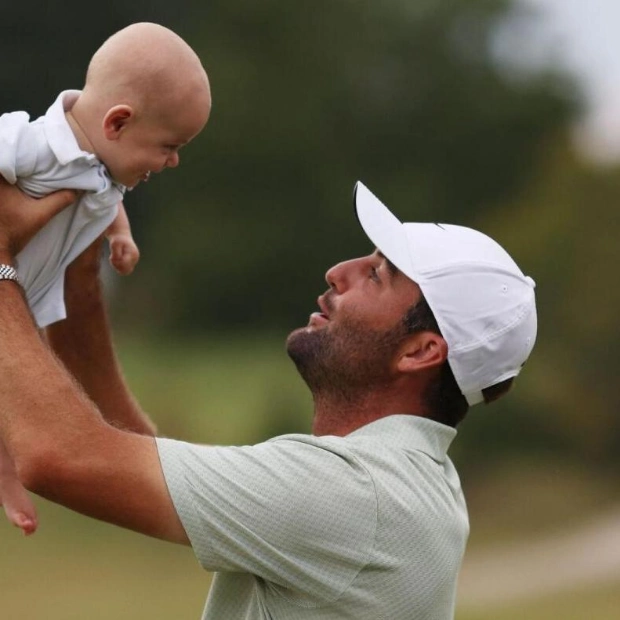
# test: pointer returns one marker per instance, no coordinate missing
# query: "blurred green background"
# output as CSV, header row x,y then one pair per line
x,y
413,99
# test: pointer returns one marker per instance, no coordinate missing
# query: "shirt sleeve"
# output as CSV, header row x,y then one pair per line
x,y
48,305
16,158
297,513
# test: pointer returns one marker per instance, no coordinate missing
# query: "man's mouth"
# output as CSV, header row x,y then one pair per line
x,y
322,317
318,318
323,307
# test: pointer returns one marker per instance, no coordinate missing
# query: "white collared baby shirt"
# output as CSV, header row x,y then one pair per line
x,y
41,157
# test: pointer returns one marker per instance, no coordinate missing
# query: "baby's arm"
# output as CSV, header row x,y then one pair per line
x,y
124,253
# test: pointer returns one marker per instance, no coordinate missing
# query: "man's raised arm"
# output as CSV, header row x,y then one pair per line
x,y
62,448
83,343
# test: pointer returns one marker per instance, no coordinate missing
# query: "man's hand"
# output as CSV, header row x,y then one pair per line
x,y
21,216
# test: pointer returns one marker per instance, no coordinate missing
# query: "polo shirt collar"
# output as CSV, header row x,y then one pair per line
x,y
413,432
58,132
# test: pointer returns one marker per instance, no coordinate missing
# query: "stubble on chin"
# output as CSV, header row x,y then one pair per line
x,y
306,348
343,363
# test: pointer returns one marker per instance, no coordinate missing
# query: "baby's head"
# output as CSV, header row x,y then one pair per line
x,y
146,95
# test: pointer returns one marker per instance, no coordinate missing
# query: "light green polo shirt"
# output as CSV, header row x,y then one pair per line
x,y
370,526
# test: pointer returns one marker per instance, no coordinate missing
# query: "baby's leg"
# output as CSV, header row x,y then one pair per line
x,y
13,496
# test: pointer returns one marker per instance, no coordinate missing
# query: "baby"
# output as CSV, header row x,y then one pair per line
x,y
145,96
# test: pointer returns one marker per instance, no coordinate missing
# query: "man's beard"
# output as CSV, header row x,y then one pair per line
x,y
345,362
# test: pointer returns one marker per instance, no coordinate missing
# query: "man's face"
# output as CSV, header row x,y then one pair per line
x,y
350,343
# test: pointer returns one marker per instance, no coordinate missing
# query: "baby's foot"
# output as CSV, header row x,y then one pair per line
x,y
18,506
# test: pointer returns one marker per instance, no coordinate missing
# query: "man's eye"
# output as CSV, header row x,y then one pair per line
x,y
374,275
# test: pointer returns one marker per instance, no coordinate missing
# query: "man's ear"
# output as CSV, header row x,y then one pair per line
x,y
422,351
115,121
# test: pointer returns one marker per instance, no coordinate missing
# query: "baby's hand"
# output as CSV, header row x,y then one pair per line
x,y
124,253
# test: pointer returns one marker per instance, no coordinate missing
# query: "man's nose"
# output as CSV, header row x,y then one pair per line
x,y
338,277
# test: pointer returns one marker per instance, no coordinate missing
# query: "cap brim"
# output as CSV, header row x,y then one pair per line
x,y
383,228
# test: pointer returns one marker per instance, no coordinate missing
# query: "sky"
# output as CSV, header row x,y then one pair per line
x,y
583,36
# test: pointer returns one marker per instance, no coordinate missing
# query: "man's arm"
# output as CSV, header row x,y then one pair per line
x,y
62,448
84,345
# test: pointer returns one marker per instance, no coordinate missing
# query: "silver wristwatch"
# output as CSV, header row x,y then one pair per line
x,y
8,273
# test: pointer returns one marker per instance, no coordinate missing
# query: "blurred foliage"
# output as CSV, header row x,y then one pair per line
x,y
308,98
566,228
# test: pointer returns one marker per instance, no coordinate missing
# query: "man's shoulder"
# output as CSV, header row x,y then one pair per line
x,y
318,467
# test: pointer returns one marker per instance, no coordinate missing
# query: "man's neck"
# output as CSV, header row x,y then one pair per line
x,y
337,416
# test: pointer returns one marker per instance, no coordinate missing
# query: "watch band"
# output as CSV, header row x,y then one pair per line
x,y
8,273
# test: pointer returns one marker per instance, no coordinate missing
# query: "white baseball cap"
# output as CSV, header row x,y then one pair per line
x,y
483,304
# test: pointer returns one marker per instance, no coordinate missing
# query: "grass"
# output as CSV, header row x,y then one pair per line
x,y
74,568
218,390
600,602
531,496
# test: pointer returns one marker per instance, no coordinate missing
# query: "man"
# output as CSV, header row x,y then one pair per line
x,y
365,518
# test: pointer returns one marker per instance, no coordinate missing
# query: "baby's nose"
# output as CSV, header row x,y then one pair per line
x,y
173,160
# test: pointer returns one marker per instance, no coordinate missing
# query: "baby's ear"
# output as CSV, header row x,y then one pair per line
x,y
115,121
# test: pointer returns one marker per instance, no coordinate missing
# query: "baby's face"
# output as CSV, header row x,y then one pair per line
x,y
150,144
